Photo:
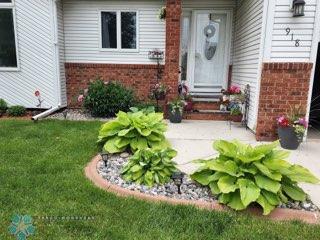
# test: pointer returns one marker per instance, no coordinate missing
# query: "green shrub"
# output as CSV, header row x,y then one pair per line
x,y
150,167
133,131
105,100
16,111
3,106
243,174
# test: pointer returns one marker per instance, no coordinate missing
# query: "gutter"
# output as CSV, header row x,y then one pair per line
x,y
54,29
46,113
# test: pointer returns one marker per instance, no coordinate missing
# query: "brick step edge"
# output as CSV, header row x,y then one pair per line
x,y
206,106
279,214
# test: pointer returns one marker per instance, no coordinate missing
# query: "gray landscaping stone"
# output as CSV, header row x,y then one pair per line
x,y
189,189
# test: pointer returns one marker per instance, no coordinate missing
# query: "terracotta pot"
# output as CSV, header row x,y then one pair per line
x,y
189,106
288,138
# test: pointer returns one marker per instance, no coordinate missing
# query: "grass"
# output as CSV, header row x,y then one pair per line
x,y
41,174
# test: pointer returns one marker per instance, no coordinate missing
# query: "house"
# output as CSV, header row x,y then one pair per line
x,y
58,46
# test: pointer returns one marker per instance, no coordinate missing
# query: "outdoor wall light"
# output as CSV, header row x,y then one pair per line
x,y
177,178
298,8
105,158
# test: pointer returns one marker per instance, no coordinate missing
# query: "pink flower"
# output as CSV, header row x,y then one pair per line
x,y
303,122
80,98
37,93
235,89
283,121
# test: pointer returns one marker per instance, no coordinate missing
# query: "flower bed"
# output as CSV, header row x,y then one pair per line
x,y
190,190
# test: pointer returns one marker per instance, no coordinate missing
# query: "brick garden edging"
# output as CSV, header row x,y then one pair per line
x,y
279,214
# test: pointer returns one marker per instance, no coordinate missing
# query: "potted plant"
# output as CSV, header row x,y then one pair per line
x,y
160,91
176,110
236,113
291,131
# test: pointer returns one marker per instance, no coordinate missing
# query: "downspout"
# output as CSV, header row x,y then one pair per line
x,y
54,25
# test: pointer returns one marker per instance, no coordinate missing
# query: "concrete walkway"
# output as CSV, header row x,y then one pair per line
x,y
193,140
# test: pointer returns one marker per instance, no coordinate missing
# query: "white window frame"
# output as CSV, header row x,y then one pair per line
x,y
119,49
12,7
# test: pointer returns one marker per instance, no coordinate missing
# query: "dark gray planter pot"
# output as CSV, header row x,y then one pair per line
x,y
288,138
175,116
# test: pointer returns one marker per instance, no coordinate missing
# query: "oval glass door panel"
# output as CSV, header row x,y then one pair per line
x,y
210,48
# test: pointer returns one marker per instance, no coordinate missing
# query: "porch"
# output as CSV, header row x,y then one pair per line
x,y
193,140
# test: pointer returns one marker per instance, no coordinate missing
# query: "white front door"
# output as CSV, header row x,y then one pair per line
x,y
209,53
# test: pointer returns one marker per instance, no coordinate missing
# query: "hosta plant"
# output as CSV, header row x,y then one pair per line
x,y
133,131
242,174
150,167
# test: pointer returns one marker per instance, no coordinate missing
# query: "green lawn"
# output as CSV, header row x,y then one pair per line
x,y
41,174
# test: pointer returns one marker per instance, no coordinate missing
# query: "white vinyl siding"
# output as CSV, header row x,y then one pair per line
x,y
35,57
282,48
61,54
246,53
82,31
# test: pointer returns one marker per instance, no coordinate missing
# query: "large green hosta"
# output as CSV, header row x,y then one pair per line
x,y
243,174
133,131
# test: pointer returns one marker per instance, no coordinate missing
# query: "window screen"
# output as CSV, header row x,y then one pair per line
x,y
129,30
109,29
8,57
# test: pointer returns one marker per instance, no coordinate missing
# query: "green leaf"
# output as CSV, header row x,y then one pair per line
x,y
294,192
111,147
225,148
214,188
267,183
224,198
265,171
228,184
276,164
235,201
267,207
249,192
300,174
229,167
136,168
272,198
266,148
202,177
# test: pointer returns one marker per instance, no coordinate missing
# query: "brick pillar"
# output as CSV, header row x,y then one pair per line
x,y
283,85
171,71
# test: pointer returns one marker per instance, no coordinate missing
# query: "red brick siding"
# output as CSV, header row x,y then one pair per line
x,y
283,85
171,71
140,78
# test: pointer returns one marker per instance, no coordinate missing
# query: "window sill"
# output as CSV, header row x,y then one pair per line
x,y
119,50
9,69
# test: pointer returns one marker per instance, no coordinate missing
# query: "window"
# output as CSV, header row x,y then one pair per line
x,y
119,30
8,54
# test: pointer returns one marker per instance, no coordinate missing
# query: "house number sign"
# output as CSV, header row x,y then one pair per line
x,y
297,41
